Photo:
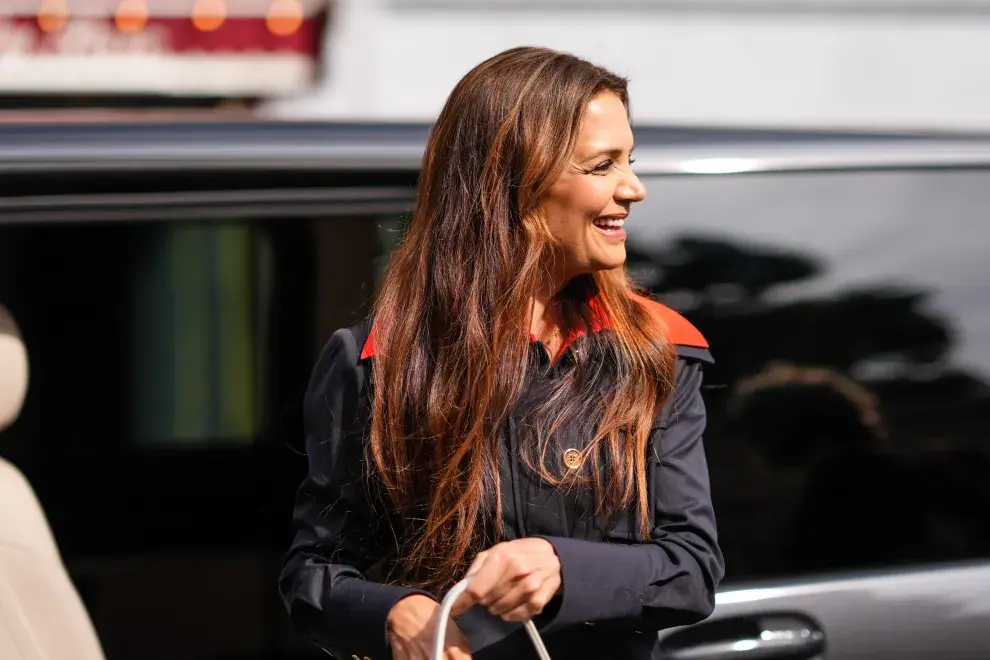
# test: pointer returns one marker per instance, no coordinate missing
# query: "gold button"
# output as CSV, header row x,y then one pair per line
x,y
572,459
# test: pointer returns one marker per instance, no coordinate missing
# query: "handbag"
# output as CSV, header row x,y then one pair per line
x,y
447,604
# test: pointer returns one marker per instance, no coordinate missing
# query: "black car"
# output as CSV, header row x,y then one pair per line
x,y
175,280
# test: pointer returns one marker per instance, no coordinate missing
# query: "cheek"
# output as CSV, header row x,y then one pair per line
x,y
592,196
573,207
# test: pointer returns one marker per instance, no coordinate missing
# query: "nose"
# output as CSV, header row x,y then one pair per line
x,y
630,189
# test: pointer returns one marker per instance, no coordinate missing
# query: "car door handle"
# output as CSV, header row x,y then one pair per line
x,y
774,636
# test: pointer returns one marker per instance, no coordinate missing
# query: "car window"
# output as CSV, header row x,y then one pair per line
x,y
849,315
160,346
172,320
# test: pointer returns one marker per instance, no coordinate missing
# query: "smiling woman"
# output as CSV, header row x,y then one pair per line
x,y
587,206
519,428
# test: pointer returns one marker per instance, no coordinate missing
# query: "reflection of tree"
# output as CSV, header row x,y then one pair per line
x,y
860,503
839,332
731,291
725,286
700,266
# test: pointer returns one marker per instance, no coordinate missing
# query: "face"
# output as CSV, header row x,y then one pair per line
x,y
586,207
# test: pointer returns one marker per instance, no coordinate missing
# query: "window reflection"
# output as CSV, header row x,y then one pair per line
x,y
849,314
195,298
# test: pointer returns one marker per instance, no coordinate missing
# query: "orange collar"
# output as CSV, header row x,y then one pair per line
x,y
680,332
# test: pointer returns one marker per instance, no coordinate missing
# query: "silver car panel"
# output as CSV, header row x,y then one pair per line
x,y
920,614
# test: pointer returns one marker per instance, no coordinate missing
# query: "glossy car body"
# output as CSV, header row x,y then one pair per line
x,y
822,263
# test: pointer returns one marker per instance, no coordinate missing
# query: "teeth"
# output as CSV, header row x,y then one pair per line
x,y
610,222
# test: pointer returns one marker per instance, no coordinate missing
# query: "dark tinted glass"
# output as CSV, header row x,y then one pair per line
x,y
849,314
182,329
162,428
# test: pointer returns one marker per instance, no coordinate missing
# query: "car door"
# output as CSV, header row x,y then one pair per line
x,y
174,285
847,301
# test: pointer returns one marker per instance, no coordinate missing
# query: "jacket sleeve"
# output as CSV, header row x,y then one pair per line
x,y
671,579
321,583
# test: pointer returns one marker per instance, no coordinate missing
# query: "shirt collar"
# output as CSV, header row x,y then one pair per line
x,y
680,331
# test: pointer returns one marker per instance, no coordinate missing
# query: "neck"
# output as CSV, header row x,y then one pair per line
x,y
541,323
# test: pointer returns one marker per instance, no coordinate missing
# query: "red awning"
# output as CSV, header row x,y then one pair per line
x,y
233,48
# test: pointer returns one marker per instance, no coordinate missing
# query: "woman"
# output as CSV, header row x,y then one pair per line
x,y
512,411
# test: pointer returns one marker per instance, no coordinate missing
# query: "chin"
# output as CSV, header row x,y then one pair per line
x,y
609,261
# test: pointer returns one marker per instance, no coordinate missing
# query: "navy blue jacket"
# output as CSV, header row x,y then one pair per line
x,y
617,590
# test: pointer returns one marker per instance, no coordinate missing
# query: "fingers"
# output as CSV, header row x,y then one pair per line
x,y
462,604
402,651
495,586
457,652
513,569
421,652
537,601
518,593
457,647
487,575
467,599
513,579
476,564
412,630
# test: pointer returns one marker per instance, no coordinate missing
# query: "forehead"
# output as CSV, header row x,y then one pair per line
x,y
604,125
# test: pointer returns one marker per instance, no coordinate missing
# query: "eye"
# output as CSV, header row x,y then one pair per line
x,y
602,167
632,160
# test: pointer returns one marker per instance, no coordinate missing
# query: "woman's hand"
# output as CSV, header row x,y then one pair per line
x,y
513,580
411,623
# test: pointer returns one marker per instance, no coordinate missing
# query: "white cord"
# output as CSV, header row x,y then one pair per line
x,y
447,604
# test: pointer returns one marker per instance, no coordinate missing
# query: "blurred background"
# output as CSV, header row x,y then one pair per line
x,y
195,193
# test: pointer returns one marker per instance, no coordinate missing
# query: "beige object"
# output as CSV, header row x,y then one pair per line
x,y
41,614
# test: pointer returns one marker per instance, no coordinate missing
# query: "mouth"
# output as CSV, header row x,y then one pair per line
x,y
611,225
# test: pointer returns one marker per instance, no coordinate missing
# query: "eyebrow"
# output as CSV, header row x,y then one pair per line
x,y
613,152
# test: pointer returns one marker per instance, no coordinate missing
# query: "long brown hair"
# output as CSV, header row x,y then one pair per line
x,y
451,319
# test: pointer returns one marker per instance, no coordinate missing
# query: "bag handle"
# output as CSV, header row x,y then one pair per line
x,y
447,604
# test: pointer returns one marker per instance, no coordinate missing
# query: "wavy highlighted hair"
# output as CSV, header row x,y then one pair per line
x,y
451,318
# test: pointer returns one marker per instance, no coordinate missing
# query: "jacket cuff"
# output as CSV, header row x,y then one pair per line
x,y
599,581
360,616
